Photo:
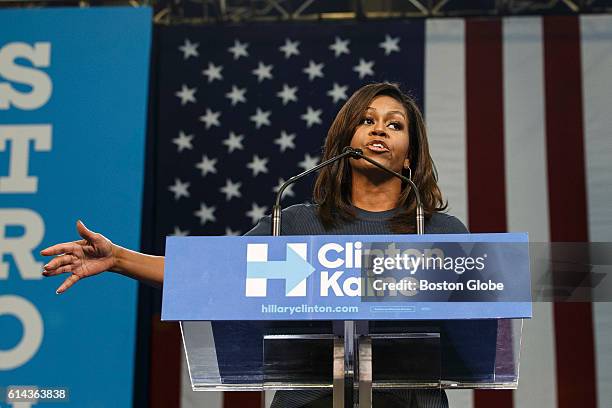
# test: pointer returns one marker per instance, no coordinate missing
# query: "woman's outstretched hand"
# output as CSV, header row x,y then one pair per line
x,y
83,258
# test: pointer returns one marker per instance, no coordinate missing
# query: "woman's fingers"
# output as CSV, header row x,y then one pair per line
x,y
59,261
63,248
73,256
57,271
85,232
71,280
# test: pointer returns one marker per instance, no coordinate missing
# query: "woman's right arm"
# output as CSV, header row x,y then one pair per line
x,y
136,265
95,254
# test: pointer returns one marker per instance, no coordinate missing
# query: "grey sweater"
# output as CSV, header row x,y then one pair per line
x,y
302,219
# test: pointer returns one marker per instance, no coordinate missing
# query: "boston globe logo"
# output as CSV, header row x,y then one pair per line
x,y
294,270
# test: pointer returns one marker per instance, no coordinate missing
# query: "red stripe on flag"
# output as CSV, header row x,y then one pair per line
x,y
485,146
165,384
485,126
567,196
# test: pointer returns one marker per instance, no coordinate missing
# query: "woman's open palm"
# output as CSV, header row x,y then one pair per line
x,y
83,258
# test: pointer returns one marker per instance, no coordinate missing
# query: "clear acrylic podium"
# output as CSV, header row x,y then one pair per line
x,y
352,359
390,343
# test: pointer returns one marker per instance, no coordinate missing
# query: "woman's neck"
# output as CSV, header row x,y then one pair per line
x,y
379,195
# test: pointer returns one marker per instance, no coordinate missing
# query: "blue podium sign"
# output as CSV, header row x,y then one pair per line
x,y
333,277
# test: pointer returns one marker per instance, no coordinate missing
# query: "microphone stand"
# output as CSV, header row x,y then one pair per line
x,y
345,378
357,154
276,209
364,395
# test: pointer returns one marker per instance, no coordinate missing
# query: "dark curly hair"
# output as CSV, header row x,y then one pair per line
x,y
332,191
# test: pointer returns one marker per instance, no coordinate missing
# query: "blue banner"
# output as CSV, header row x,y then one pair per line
x,y
373,277
73,92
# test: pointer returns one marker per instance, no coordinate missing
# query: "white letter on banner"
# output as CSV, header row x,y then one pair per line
x,y
32,336
18,180
21,248
42,87
352,286
326,263
327,283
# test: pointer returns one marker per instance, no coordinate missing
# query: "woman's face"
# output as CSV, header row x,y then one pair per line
x,y
382,135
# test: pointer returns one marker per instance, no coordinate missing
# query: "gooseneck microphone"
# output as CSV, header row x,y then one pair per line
x,y
420,214
276,209
356,154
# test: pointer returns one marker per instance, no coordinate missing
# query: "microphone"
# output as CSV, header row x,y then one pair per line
x,y
420,214
276,209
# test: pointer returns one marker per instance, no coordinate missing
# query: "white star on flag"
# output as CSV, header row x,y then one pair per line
x,y
338,93
189,49
213,72
288,94
179,233
183,141
207,165
309,162
258,165
314,70
210,118
233,142
236,95
391,44
179,189
231,233
285,141
290,48
231,189
288,192
256,212
186,94
239,49
261,118
364,68
263,71
205,213
340,47
312,116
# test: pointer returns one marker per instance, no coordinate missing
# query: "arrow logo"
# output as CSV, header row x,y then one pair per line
x,y
294,270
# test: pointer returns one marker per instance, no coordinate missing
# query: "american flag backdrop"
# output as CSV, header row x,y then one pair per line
x,y
245,109
519,119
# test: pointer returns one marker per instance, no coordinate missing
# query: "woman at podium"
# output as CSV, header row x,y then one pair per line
x,y
350,197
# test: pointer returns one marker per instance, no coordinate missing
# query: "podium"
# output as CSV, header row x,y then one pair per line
x,y
303,313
